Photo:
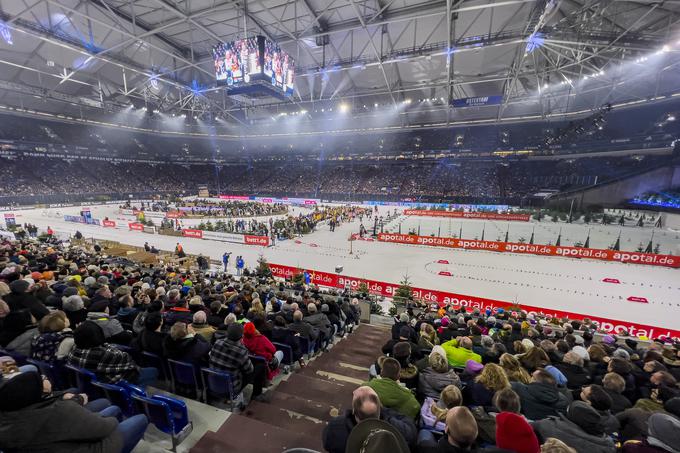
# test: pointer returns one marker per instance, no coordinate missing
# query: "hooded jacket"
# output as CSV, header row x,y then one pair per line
x,y
571,434
192,349
540,400
395,396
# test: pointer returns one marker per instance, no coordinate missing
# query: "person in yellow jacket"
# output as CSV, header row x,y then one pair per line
x,y
392,394
459,351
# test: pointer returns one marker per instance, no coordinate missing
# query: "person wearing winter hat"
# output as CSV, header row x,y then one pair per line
x,y
258,344
20,298
74,307
110,365
60,425
231,355
581,352
662,436
515,434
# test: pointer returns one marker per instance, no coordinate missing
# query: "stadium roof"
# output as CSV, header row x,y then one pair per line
x,y
531,58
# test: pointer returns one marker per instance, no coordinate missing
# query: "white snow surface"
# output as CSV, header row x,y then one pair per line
x,y
550,282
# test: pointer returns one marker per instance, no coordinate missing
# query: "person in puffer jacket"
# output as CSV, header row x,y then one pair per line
x,y
437,376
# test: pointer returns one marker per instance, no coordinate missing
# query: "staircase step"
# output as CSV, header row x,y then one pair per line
x,y
311,408
338,371
351,357
253,436
317,389
285,419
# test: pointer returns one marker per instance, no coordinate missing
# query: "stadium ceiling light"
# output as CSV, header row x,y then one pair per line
x,y
671,118
407,101
344,107
375,105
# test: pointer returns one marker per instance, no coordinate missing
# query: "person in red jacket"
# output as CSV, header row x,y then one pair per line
x,y
258,344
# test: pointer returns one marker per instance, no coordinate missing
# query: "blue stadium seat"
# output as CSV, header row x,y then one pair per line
x,y
287,353
184,374
20,359
169,415
149,359
218,383
54,372
118,395
82,379
308,347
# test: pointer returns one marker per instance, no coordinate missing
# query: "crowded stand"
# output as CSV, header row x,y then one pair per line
x,y
448,380
435,179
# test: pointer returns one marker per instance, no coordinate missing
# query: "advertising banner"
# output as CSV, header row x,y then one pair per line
x,y
189,233
134,226
224,237
174,214
477,101
443,298
470,215
256,240
649,259
108,224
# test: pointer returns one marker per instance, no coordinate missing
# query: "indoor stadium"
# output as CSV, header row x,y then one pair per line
x,y
339,226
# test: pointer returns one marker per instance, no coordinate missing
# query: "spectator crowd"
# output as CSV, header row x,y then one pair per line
x,y
457,380
69,306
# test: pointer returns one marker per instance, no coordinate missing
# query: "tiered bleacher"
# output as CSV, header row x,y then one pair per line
x,y
87,341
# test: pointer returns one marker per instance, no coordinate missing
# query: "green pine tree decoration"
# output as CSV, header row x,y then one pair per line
x,y
405,291
263,269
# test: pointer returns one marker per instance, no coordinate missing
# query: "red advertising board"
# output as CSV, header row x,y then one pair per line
x,y
109,223
469,215
649,259
188,233
256,240
443,298
174,214
136,226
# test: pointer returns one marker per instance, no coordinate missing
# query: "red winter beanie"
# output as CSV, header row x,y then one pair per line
x,y
514,433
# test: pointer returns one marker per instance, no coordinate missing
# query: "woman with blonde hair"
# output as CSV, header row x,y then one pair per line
x,y
513,369
437,376
428,338
433,412
534,359
480,392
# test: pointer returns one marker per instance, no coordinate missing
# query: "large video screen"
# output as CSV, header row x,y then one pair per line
x,y
279,67
238,61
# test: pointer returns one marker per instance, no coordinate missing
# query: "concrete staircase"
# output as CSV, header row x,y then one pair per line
x,y
300,407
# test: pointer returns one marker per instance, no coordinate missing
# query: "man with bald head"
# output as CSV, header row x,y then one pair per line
x,y
365,405
460,434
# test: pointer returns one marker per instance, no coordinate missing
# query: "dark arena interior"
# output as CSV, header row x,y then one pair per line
x,y
339,226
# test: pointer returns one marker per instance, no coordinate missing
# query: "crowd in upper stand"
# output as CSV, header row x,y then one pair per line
x,y
456,380
442,178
